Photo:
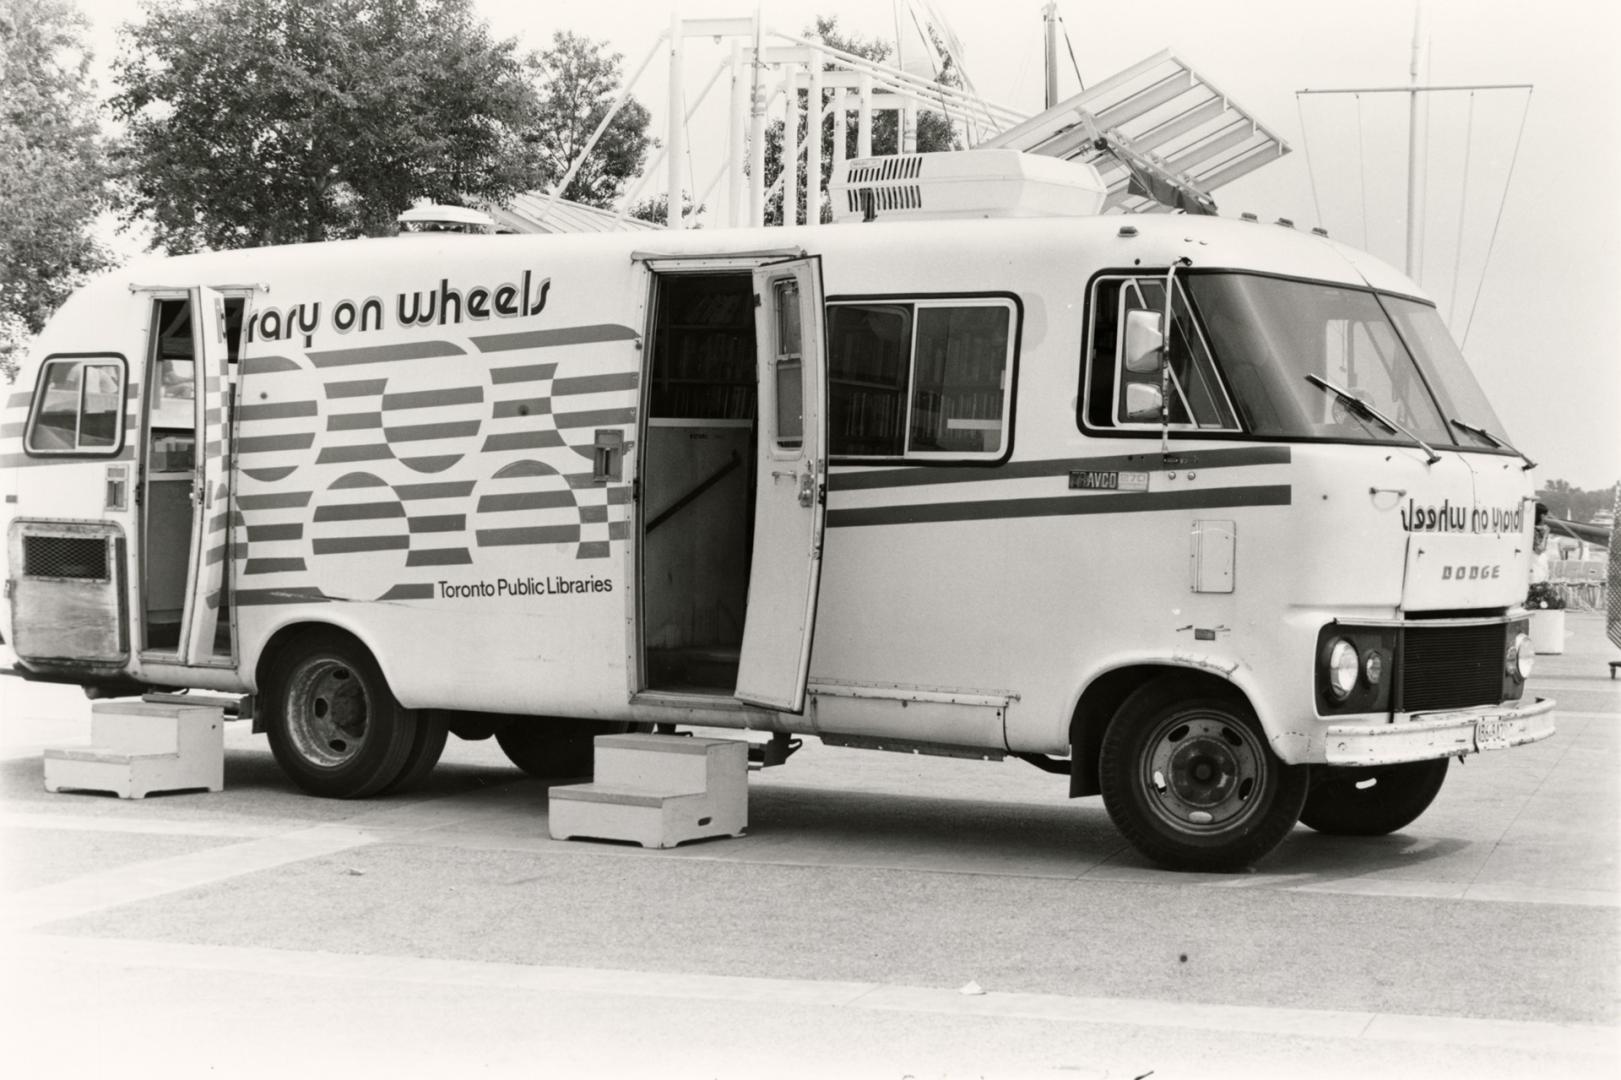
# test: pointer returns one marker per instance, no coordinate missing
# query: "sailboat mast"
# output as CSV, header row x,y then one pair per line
x,y
1415,167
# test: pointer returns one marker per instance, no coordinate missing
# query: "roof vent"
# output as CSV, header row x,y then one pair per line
x,y
966,184
435,218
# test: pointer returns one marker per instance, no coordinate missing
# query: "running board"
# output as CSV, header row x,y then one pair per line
x,y
908,746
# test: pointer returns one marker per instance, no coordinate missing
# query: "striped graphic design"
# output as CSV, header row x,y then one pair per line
x,y
436,521
1063,505
358,538
383,354
546,339
520,415
428,425
526,503
913,476
581,404
280,411
353,432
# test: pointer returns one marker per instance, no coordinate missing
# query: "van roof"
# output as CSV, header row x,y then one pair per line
x,y
1149,240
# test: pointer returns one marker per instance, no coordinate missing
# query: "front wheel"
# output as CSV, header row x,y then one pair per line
x,y
1189,779
335,727
1372,800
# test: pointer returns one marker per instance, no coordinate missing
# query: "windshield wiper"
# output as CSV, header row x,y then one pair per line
x,y
1363,409
1497,441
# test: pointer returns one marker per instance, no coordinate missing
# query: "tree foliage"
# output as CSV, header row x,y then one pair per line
x,y
52,166
578,85
1573,503
272,121
935,130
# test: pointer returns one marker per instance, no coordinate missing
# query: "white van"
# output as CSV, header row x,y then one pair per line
x,y
958,486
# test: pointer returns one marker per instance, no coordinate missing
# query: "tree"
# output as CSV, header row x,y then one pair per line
x,y
935,131
1570,503
273,121
656,209
578,85
52,167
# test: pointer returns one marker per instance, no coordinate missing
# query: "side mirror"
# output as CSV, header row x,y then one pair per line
x,y
1144,403
1144,341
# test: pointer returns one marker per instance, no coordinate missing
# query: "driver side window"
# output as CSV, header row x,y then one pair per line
x,y
1195,398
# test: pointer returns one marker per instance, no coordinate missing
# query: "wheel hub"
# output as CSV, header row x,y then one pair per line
x,y
328,714
1204,773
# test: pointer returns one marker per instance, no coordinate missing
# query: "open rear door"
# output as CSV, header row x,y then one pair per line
x,y
790,493
211,496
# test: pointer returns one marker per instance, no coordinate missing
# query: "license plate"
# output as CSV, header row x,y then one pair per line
x,y
1491,733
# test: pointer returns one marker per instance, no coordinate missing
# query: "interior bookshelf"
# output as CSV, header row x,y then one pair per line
x,y
704,338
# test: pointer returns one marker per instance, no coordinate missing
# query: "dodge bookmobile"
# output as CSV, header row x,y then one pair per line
x,y
1208,515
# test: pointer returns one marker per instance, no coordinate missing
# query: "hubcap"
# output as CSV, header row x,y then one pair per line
x,y
1203,774
327,713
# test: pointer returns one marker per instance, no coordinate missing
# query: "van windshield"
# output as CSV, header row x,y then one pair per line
x,y
1277,341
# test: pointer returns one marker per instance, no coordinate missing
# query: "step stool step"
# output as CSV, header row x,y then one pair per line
x,y
138,748
635,798
667,763
141,727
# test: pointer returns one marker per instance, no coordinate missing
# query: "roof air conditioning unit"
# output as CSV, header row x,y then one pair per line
x,y
966,184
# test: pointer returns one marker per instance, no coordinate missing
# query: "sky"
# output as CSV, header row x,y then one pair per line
x,y
1538,318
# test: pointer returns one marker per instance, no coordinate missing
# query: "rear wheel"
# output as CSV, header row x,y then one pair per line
x,y
1189,779
335,727
1372,800
432,732
551,749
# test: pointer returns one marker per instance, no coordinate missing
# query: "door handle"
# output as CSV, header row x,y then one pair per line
x,y
807,487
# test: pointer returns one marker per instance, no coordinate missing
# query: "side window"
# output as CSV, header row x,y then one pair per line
x,y
78,407
173,386
925,379
1197,400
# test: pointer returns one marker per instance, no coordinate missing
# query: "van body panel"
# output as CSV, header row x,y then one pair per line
x,y
416,435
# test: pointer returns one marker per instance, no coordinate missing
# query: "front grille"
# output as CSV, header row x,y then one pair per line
x,y
1451,667
80,557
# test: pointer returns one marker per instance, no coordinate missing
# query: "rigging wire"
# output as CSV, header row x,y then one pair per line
x,y
1305,143
1463,206
1071,47
1362,167
1492,242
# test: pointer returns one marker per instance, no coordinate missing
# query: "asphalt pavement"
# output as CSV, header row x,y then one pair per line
x,y
885,916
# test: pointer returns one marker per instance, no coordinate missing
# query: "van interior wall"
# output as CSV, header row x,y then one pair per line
x,y
698,481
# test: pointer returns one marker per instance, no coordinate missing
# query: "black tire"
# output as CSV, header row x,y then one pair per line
x,y
432,731
335,727
554,749
1372,800
1190,780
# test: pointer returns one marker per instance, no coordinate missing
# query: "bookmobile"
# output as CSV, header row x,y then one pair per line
x,y
1208,516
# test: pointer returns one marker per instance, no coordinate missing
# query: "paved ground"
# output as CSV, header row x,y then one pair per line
x,y
258,931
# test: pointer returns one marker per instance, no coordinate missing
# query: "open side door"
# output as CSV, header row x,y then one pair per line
x,y
211,484
790,488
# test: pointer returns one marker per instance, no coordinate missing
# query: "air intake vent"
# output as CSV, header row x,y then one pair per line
x,y
966,184
77,557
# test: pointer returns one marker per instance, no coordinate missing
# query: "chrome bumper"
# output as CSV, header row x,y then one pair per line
x,y
1445,734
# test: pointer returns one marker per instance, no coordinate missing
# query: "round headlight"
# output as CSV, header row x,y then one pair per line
x,y
1522,656
1373,667
1342,669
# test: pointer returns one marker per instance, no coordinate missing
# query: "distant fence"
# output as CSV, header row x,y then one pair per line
x,y
1581,581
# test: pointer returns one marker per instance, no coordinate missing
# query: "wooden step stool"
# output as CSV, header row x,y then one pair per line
x,y
657,790
138,747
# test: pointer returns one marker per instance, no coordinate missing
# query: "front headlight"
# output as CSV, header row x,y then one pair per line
x,y
1343,665
1521,658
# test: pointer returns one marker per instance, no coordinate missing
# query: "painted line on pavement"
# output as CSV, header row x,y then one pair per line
x,y
1356,1025
159,877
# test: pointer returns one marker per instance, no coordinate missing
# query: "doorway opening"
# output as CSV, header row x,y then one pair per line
x,y
698,466
173,439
